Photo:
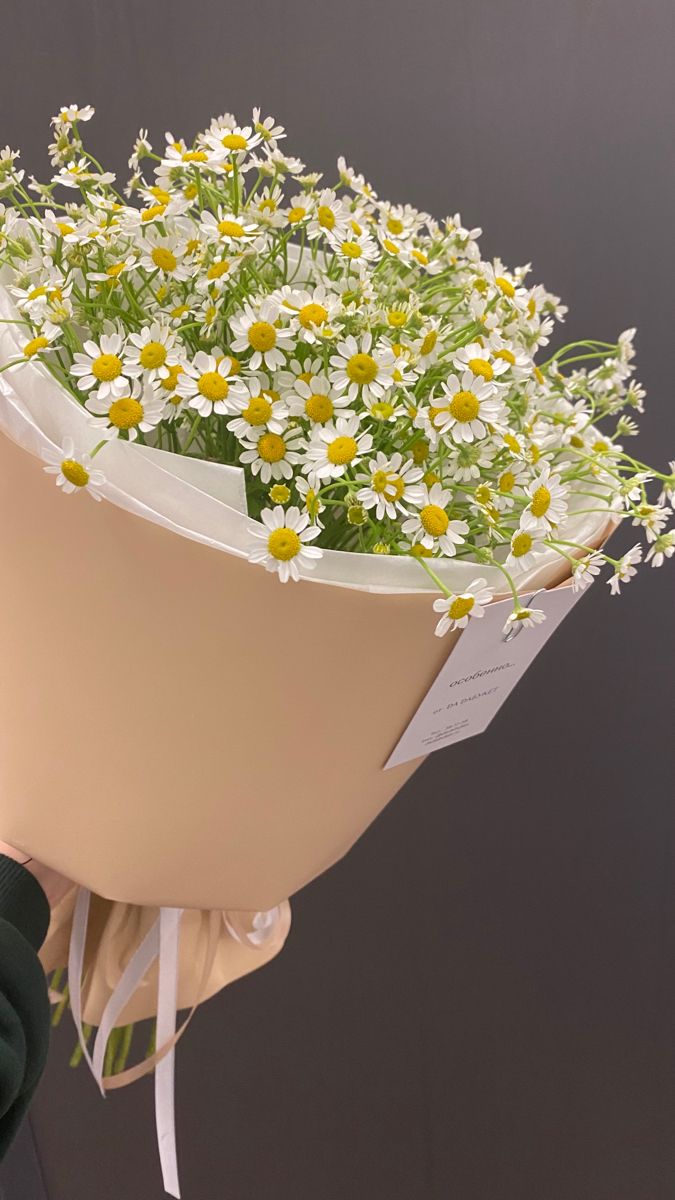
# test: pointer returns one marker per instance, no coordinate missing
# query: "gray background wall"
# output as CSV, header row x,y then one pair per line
x,y
479,1001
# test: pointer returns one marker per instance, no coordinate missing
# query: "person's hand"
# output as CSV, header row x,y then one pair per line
x,y
54,885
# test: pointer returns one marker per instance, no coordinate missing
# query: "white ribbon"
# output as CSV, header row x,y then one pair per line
x,y
169,929
161,939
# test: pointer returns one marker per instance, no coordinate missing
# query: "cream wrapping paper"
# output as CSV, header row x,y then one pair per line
x,y
176,727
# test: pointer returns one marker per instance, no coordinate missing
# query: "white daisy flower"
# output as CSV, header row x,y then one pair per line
x,y
525,618
167,384
661,549
231,140
460,607
205,383
73,469
548,502
478,358
285,539
100,367
256,329
427,347
585,570
72,112
362,369
312,503
336,448
40,342
353,249
653,518
313,311
150,350
141,409
167,255
268,129
226,228
316,400
466,407
625,569
524,550
389,487
431,526
329,216
273,455
258,407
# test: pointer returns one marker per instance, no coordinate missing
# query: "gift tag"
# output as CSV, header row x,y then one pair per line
x,y
480,673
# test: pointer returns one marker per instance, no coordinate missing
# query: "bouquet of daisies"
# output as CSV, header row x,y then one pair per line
x,y
257,367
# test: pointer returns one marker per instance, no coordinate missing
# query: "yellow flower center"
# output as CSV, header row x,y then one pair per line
x,y
395,226
35,345
312,314
106,367
64,228
115,270
169,382
262,336
512,443
420,256
541,502
461,607
164,259
235,365
538,375
420,551
379,482
429,342
160,194
217,269
382,410
434,520
125,413
420,451
507,356
152,355
258,411
296,214
397,317
231,229
280,494
212,386
507,482
521,544
234,141
362,368
531,307
74,472
271,447
478,366
195,156
505,285
464,407
390,246
326,217
342,450
319,408
155,210
283,543
351,249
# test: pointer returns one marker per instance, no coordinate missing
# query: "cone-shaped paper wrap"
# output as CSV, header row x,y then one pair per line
x,y
176,727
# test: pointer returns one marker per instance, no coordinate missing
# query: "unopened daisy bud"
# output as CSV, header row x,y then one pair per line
x,y
381,548
356,514
279,494
420,451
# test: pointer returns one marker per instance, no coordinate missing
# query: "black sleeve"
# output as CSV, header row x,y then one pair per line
x,y
24,1003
